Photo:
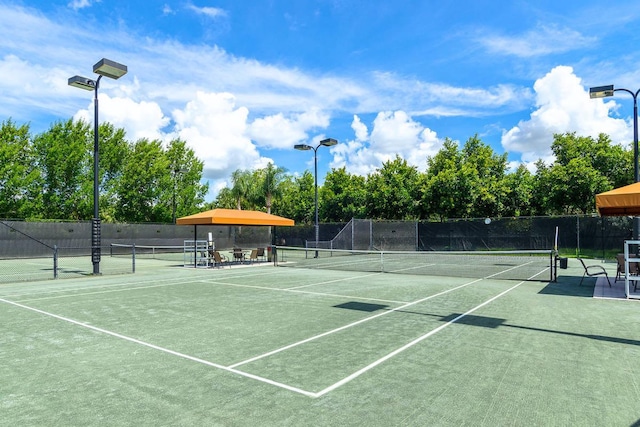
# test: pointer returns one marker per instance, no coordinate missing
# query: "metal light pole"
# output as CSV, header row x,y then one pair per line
x,y
304,147
114,70
605,91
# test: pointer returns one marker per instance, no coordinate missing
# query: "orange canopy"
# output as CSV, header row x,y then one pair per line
x,y
620,201
234,217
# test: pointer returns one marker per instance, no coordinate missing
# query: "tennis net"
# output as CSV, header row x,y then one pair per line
x,y
159,252
537,265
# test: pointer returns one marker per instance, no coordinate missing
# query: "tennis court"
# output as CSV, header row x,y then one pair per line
x,y
265,345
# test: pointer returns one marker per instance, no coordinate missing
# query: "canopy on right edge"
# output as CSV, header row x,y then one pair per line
x,y
621,201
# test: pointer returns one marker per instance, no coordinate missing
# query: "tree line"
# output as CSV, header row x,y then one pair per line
x,y
50,176
468,181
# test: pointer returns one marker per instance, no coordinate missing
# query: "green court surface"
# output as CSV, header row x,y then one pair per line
x,y
272,346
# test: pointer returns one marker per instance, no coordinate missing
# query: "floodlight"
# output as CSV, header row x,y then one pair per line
x,y
328,142
601,91
82,83
106,67
303,147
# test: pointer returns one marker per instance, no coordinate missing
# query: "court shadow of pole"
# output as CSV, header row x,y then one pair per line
x,y
483,321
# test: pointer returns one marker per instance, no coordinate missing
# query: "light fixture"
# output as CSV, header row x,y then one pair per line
x,y
328,142
601,91
106,67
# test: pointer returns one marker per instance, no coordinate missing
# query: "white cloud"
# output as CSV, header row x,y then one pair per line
x,y
562,105
79,4
443,99
167,10
216,130
543,40
393,133
360,129
139,119
211,12
278,131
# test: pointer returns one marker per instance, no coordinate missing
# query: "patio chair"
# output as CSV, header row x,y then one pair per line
x,y
238,255
593,270
253,256
634,270
219,260
261,254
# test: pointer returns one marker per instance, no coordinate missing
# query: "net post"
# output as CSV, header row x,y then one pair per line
x,y
133,258
55,261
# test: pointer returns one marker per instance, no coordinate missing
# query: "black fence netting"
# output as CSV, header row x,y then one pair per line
x,y
58,249
598,237
58,246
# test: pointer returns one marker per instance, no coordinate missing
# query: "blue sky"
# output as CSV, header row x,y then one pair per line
x,y
242,81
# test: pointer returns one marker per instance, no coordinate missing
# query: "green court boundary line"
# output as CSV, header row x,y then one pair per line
x,y
232,368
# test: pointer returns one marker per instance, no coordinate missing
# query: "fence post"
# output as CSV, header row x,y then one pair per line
x,y
578,235
133,258
55,261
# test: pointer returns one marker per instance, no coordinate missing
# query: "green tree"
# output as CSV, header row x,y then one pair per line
x,y
296,199
487,169
446,188
464,183
342,196
18,176
582,168
519,196
392,191
269,187
224,199
241,189
185,194
570,188
113,149
144,179
63,156
611,160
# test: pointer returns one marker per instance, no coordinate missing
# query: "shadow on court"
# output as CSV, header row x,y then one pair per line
x,y
484,322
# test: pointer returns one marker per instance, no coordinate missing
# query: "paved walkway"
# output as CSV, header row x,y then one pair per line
x,y
615,291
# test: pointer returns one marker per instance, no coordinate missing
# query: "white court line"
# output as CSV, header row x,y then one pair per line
x,y
232,369
106,288
162,349
350,325
133,285
366,319
108,291
297,291
411,344
335,281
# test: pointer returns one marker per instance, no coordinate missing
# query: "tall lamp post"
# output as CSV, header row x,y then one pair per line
x,y
304,147
605,91
113,70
